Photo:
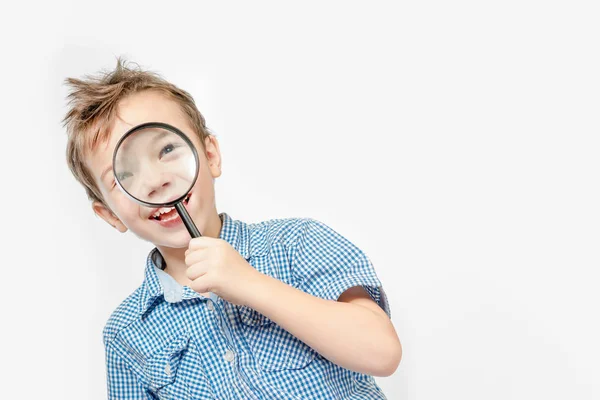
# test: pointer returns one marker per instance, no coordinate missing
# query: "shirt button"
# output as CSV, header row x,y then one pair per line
x,y
229,356
168,369
210,305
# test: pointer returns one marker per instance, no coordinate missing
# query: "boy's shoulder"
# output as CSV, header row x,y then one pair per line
x,y
126,313
284,231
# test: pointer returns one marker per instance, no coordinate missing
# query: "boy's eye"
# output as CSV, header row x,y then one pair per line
x,y
123,175
166,150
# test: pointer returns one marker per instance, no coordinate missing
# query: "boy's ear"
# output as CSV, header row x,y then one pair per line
x,y
213,155
103,212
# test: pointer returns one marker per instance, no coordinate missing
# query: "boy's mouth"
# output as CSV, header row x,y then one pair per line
x,y
168,213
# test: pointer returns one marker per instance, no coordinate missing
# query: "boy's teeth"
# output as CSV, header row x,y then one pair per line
x,y
165,210
162,211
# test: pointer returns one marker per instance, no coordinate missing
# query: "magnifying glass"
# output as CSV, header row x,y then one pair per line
x,y
156,165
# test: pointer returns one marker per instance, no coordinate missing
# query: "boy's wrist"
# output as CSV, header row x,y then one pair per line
x,y
256,286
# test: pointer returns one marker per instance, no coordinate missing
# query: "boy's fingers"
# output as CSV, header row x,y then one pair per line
x,y
200,243
200,285
194,257
196,271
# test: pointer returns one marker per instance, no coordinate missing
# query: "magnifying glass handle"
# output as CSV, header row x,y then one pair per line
x,y
187,220
191,227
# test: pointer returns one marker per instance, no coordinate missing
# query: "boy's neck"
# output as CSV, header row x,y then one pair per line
x,y
175,258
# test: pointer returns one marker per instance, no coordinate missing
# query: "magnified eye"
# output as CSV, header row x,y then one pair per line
x,y
123,175
169,148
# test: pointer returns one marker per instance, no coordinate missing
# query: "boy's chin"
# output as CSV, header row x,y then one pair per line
x,y
175,244
176,240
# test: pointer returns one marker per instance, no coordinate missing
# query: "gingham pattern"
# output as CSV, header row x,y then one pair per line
x,y
166,341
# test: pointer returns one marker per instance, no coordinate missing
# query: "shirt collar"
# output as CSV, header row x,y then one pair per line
x,y
157,282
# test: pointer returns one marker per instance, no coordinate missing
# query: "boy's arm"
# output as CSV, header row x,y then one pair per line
x,y
353,332
328,297
122,384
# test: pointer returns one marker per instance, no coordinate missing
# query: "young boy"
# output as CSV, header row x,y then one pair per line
x,y
281,309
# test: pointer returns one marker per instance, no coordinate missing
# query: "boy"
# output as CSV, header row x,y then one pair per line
x,y
281,309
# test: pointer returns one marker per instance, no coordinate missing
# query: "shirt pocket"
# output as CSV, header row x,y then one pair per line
x,y
162,367
273,348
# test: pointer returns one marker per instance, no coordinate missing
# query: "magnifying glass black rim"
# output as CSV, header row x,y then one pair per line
x,y
162,126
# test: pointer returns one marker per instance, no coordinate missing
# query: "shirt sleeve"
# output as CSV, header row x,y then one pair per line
x,y
326,264
122,384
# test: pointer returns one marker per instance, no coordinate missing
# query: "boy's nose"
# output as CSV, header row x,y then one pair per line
x,y
157,190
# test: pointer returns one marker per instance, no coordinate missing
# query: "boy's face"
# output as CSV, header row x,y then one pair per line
x,y
124,213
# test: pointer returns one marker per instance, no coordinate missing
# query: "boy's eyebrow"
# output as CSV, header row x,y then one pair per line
x,y
161,134
105,172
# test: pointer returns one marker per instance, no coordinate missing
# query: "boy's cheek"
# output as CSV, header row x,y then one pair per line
x,y
126,209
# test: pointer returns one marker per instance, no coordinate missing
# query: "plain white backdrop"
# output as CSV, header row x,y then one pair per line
x,y
456,143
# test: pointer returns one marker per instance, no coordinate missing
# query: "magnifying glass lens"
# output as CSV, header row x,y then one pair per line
x,y
155,165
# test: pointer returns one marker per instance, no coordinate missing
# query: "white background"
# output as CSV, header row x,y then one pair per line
x,y
456,143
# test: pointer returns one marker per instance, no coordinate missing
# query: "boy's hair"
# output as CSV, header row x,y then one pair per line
x,y
93,110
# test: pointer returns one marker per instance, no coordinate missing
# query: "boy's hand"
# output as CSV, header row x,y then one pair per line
x,y
215,266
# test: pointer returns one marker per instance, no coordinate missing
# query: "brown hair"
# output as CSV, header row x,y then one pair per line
x,y
93,103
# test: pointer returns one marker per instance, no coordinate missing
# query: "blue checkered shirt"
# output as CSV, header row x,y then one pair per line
x,y
166,341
